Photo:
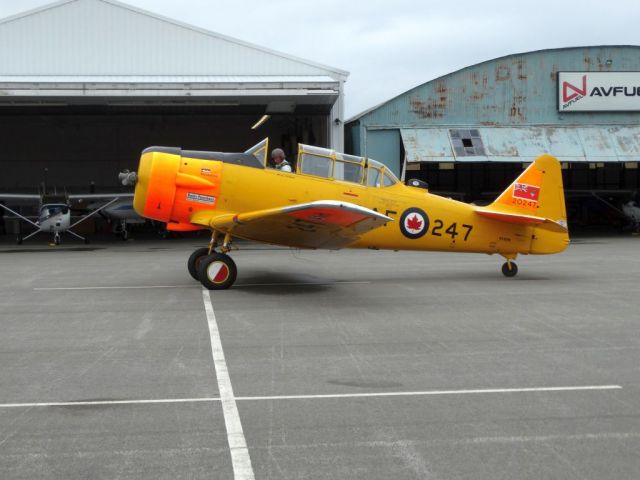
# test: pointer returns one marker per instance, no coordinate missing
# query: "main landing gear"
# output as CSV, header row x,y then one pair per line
x,y
212,266
509,268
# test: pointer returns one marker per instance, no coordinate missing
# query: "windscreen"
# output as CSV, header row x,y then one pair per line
x,y
260,151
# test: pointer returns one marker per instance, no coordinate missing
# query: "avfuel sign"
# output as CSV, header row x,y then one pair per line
x,y
598,91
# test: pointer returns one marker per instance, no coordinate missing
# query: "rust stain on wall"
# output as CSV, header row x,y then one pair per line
x,y
517,107
430,108
503,72
521,69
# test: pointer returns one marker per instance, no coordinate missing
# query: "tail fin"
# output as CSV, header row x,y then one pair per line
x,y
535,197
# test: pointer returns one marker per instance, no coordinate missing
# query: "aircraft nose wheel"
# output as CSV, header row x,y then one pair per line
x,y
194,261
509,269
217,271
56,239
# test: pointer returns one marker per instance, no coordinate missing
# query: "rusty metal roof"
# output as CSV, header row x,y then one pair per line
x,y
519,89
524,144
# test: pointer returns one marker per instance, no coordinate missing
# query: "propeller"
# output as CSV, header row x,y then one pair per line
x,y
127,178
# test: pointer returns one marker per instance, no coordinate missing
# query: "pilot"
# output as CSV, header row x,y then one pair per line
x,y
277,155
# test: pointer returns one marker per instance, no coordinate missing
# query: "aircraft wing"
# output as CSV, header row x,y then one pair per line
x,y
99,196
326,224
19,196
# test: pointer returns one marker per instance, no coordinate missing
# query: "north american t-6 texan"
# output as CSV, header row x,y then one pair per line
x,y
334,201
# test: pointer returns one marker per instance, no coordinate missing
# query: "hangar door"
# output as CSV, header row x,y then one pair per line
x,y
384,146
84,145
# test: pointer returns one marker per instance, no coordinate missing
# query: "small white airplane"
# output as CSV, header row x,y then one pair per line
x,y
631,210
55,212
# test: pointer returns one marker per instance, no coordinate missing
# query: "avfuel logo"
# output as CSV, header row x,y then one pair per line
x,y
571,92
592,91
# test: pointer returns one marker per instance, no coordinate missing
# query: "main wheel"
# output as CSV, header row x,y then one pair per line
x,y
194,261
19,240
509,269
217,271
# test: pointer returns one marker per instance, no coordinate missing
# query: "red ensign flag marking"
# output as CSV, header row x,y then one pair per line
x,y
527,192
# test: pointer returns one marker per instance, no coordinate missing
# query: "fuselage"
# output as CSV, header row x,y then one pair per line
x,y
54,218
171,188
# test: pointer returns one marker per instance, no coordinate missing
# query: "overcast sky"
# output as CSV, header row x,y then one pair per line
x,y
391,46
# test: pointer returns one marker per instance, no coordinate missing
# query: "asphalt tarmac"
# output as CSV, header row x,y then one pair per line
x,y
332,365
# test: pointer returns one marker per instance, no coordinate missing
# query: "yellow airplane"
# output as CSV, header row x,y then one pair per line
x,y
335,201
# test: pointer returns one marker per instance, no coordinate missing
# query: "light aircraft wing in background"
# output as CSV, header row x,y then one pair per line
x,y
20,197
94,196
321,224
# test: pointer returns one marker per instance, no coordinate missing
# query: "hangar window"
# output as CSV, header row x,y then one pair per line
x,y
466,142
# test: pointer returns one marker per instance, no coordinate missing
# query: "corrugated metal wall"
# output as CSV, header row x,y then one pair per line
x,y
96,37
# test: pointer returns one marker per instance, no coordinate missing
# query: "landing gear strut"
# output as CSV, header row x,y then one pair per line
x,y
509,268
212,266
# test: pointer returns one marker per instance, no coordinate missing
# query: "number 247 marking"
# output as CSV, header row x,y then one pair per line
x,y
438,225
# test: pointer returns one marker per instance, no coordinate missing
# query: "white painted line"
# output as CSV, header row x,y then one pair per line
x,y
297,284
435,392
312,397
109,402
117,287
240,460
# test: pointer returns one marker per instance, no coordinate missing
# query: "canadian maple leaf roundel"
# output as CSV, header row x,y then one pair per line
x,y
414,223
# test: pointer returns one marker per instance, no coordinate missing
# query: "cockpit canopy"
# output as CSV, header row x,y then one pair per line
x,y
50,209
327,163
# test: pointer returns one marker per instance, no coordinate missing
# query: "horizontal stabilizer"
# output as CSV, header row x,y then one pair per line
x,y
518,218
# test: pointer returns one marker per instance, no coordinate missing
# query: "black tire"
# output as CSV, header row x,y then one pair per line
x,y
194,261
86,241
217,271
509,270
56,239
19,240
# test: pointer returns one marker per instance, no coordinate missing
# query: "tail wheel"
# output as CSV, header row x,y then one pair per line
x,y
509,269
217,271
194,261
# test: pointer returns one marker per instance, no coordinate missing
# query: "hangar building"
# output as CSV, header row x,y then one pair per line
x,y
85,85
469,133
